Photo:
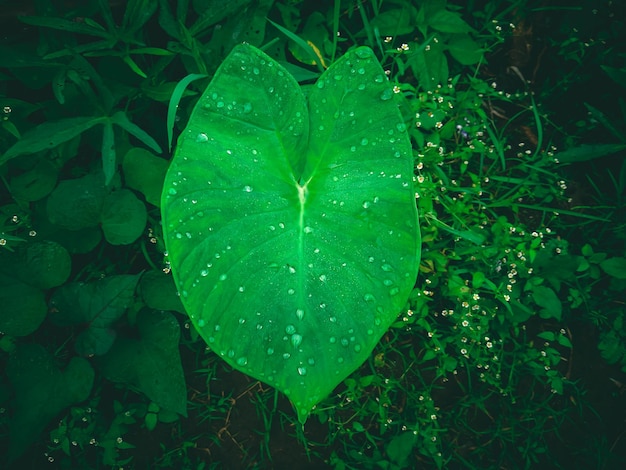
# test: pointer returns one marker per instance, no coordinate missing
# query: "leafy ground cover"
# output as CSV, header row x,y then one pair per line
x,y
511,350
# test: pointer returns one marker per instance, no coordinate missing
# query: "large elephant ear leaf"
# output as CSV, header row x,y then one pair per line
x,y
290,222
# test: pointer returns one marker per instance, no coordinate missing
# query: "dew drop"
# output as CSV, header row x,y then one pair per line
x,y
369,297
338,77
394,291
302,370
291,291
333,340
255,71
201,323
204,273
364,141
202,137
270,351
231,353
171,191
223,277
388,282
361,71
242,288
320,84
401,127
363,53
366,205
357,347
220,104
300,314
242,361
296,340
353,149
290,329
386,94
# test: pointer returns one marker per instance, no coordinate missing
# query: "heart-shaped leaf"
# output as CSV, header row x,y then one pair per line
x,y
152,362
290,222
42,391
96,306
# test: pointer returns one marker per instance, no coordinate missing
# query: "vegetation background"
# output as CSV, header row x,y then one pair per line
x,y
511,352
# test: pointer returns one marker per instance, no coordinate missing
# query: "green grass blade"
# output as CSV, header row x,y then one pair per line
x,y
177,94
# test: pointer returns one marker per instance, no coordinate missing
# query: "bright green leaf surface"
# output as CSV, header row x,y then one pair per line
x,y
97,305
291,225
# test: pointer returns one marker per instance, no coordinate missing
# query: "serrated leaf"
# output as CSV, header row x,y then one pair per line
x,y
152,362
42,391
123,217
95,307
290,222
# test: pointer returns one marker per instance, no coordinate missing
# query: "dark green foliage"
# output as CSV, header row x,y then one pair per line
x,y
511,349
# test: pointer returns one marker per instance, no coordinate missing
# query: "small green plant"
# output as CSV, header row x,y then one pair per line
x,y
254,205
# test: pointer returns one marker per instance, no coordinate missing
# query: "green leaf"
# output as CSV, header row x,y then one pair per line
x,y
123,217
159,292
615,267
547,299
291,224
109,155
77,203
44,264
400,447
65,25
23,306
50,134
145,173
464,49
587,152
152,362
35,183
177,94
96,307
448,22
122,120
42,391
